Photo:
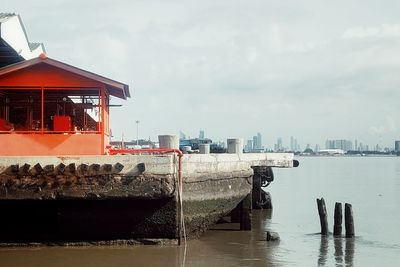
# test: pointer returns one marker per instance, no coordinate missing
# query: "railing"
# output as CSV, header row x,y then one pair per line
x,y
50,132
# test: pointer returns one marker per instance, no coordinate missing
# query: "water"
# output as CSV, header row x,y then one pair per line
x,y
370,184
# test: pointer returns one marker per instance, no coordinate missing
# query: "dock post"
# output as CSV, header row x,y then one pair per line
x,y
256,191
322,216
169,141
245,213
338,218
235,146
204,148
235,214
348,220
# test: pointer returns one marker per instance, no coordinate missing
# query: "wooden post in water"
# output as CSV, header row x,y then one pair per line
x,y
348,220
338,217
323,217
245,213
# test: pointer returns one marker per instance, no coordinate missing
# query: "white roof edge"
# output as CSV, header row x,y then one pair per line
x,y
12,31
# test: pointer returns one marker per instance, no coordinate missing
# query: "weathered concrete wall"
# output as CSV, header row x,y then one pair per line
x,y
97,200
141,176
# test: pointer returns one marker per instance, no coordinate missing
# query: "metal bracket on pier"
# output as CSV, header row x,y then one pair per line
x,y
263,176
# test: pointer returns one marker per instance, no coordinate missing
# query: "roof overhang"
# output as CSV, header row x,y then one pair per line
x,y
113,87
14,43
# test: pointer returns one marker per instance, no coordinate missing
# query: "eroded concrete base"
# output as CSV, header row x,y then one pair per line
x,y
100,203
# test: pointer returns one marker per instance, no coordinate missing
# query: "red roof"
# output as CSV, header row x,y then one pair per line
x,y
113,87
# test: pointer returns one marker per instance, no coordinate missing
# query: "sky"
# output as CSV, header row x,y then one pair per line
x,y
312,69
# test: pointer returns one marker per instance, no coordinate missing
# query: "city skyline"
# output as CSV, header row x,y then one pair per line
x,y
293,144
240,67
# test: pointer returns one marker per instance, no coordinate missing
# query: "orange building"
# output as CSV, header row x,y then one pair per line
x,y
51,108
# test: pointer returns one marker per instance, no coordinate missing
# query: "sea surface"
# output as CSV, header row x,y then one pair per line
x,y
370,184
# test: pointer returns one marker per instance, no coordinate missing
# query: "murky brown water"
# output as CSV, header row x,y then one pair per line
x,y
372,185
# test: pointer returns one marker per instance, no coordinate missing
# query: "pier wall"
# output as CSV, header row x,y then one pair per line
x,y
83,198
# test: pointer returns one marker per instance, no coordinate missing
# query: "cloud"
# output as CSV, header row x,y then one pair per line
x,y
381,31
235,67
388,126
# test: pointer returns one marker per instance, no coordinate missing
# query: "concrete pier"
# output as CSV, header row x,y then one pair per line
x,y
122,196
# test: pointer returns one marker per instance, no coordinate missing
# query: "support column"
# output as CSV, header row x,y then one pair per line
x,y
245,213
348,220
323,216
337,227
42,111
103,105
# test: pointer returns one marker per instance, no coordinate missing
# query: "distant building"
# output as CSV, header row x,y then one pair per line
x,y
317,148
257,141
278,145
201,135
345,145
331,152
254,145
292,147
249,146
193,143
182,135
397,146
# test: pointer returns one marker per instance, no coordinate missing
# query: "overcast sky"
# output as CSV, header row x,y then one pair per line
x,y
311,69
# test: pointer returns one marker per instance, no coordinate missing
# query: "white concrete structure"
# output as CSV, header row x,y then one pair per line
x,y
169,141
14,44
235,146
331,152
204,148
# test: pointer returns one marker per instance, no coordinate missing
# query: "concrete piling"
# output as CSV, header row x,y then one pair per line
x,y
168,141
235,146
245,213
204,148
348,220
337,227
322,216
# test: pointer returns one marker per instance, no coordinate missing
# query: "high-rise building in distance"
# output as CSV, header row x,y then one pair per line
x,y
345,145
397,146
201,134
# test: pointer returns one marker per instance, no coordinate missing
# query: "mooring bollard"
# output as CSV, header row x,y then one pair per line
x,y
338,217
235,146
204,148
168,141
348,220
322,216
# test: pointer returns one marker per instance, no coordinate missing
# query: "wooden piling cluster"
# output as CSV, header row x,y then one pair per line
x,y
323,218
348,220
338,218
